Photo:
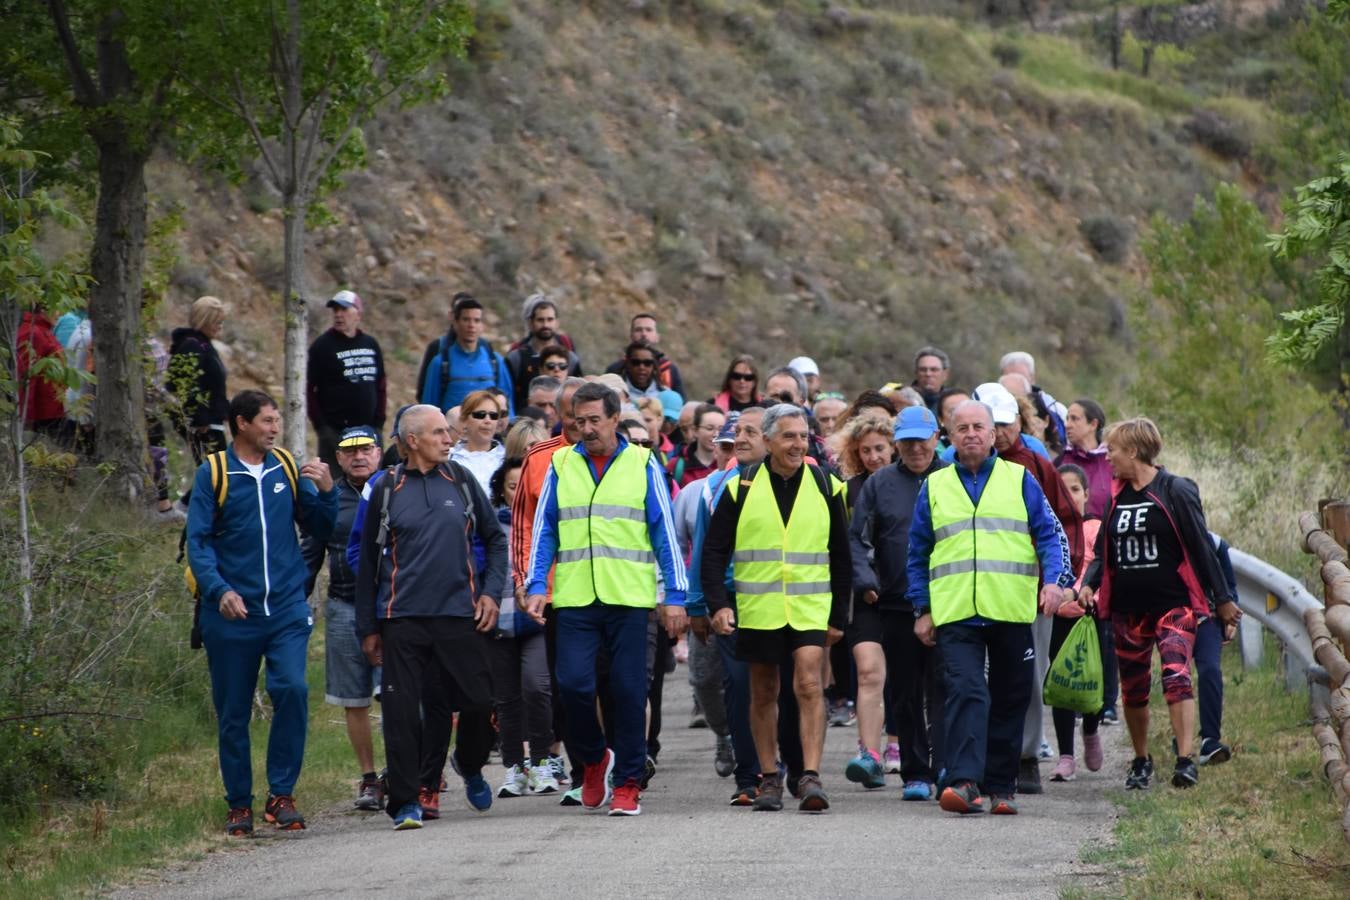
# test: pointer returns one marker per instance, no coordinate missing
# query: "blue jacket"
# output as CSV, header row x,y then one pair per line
x,y
715,487
249,546
660,528
467,374
1052,545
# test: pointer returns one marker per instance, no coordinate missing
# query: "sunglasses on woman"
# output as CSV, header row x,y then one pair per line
x,y
485,414
646,443
556,366
742,376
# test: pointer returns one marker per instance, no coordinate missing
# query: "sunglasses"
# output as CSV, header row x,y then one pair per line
x,y
642,362
742,376
647,443
556,367
485,414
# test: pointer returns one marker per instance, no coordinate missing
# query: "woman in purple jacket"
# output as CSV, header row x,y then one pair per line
x,y
1083,427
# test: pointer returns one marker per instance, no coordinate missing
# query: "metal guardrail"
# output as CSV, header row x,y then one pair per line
x,y
1278,602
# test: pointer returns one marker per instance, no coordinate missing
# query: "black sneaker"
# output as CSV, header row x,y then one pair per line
x,y
370,795
1213,752
813,795
1141,772
1029,776
770,797
745,796
648,771
1185,775
1109,717
281,811
239,822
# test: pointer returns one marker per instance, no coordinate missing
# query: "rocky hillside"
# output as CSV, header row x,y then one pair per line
x,y
770,177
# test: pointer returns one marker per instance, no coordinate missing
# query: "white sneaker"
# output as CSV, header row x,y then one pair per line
x,y
541,780
514,784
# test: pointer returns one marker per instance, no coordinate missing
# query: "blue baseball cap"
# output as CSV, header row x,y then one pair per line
x,y
915,423
358,436
728,433
671,404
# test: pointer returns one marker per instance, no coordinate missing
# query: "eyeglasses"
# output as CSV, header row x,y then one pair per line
x,y
556,367
485,414
742,376
642,362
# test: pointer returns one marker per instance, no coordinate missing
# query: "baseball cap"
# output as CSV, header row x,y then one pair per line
x,y
671,404
915,423
613,382
805,365
398,416
345,300
358,436
728,433
1000,401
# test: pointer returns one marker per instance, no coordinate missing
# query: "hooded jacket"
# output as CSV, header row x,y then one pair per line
x,y
879,532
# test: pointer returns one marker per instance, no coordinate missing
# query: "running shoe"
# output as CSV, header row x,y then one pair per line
x,y
624,801
1141,772
1185,775
842,714
1044,752
430,801
595,788
514,784
724,759
1109,717
1064,769
1213,752
648,773
571,798
280,811
891,759
1029,776
917,790
1002,805
370,795
239,822
865,769
409,816
560,775
478,793
541,780
1092,752
813,795
963,797
770,798
745,796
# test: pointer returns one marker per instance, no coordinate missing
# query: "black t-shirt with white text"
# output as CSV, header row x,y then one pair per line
x,y
346,380
1146,556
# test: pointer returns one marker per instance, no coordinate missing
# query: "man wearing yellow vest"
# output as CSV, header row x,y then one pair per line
x,y
982,539
604,517
785,531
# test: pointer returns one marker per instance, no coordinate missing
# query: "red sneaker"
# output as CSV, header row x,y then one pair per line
x,y
625,800
430,801
595,789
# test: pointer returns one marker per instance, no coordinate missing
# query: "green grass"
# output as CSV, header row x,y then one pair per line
x,y
165,804
1263,825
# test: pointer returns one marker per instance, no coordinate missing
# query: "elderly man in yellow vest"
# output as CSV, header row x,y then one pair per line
x,y
982,539
785,532
604,517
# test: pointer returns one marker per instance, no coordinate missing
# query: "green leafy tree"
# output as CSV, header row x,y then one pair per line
x,y
292,82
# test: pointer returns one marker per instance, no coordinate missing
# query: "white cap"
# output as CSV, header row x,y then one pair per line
x,y
805,365
1000,401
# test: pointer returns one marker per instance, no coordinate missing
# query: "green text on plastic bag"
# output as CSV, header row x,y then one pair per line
x,y
1075,677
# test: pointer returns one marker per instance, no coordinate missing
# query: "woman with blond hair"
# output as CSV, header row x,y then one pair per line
x,y
524,434
196,377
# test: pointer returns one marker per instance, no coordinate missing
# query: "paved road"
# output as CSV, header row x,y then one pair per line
x,y
687,843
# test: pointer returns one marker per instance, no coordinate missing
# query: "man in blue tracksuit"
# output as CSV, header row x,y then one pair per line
x,y
246,559
459,362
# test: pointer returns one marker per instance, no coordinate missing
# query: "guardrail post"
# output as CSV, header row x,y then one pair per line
x,y
1252,642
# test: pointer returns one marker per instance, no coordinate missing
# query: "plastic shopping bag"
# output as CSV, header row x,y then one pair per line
x,y
1074,680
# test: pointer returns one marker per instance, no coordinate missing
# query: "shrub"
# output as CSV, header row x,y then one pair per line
x,y
1217,134
1108,236
1006,53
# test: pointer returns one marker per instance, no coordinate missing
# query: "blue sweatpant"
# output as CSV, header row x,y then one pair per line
x,y
1209,676
622,632
234,651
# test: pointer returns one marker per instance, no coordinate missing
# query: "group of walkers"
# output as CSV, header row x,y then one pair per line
x,y
521,563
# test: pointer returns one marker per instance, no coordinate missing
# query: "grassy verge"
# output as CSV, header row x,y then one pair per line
x,y
164,803
1263,825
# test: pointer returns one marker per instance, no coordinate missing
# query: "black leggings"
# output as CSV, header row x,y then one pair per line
x,y
1064,718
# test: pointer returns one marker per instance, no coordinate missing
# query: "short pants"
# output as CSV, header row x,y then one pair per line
x,y
774,646
349,678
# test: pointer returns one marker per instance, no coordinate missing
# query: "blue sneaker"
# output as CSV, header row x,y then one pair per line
x,y
478,792
409,817
916,790
866,769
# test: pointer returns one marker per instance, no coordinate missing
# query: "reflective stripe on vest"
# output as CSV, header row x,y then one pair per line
x,y
984,561
782,574
604,550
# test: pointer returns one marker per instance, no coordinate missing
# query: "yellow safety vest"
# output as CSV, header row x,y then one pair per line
x,y
984,561
604,550
782,571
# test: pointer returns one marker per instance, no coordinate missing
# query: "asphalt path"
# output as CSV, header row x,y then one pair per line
x,y
688,842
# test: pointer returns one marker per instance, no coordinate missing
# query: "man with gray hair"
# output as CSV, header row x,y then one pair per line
x,y
785,529
541,322
1020,362
931,367
543,395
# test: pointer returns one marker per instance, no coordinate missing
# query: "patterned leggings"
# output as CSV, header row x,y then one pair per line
x,y
1136,633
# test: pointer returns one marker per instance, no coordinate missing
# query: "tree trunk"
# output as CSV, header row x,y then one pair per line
x,y
1116,38
115,308
296,314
